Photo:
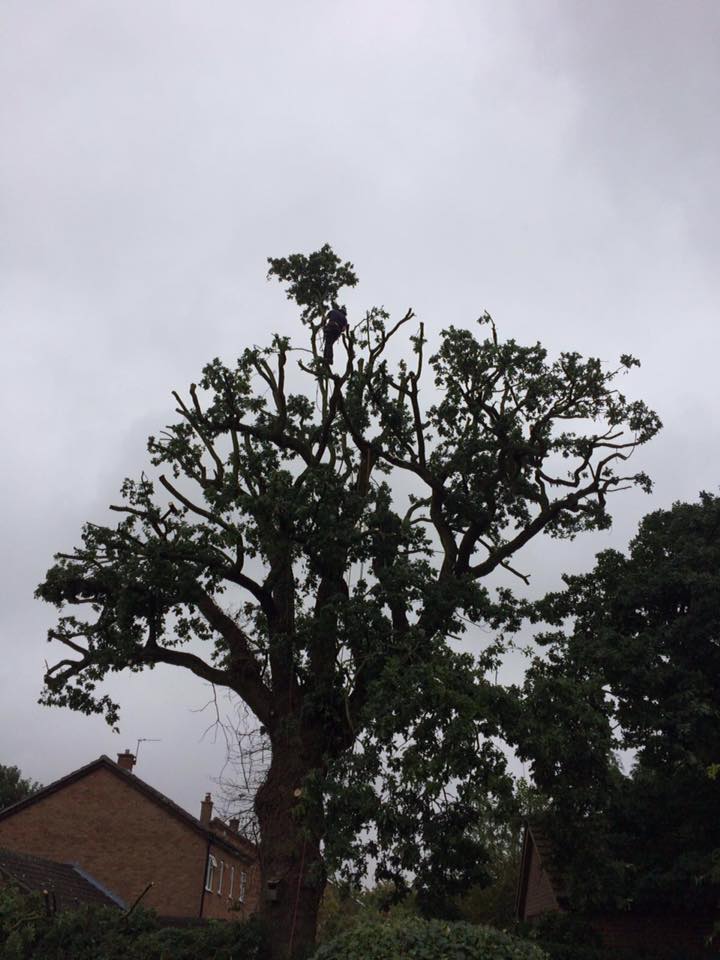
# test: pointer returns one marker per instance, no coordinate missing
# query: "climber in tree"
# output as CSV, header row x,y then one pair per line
x,y
335,325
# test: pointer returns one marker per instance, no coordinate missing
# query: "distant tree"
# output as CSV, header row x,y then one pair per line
x,y
320,537
494,902
13,787
635,665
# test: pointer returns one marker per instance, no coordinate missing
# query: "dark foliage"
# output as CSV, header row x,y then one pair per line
x,y
565,936
635,664
14,787
29,932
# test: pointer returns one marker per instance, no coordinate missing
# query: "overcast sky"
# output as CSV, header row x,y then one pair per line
x,y
554,162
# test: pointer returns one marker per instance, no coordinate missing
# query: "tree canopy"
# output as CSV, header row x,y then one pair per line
x,y
314,539
14,787
633,664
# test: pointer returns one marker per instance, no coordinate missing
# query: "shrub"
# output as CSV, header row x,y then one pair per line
x,y
28,932
416,939
566,936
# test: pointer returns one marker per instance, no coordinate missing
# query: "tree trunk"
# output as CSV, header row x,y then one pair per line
x,y
292,870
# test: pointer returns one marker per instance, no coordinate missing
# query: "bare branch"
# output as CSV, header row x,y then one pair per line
x,y
200,511
244,673
66,639
195,420
386,336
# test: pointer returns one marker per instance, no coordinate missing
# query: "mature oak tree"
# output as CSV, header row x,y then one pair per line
x,y
316,539
634,664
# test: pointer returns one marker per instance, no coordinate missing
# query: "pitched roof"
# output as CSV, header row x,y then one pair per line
x,y
65,883
229,840
534,836
226,832
545,850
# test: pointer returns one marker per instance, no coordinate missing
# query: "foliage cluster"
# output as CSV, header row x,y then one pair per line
x,y
28,932
633,663
14,787
412,938
492,902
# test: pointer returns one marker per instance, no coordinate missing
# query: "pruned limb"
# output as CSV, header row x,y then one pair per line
x,y
195,420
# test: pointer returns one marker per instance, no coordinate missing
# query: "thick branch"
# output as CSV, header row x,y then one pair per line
x,y
504,552
244,674
153,653
193,507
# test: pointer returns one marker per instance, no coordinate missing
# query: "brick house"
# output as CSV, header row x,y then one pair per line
x,y
137,843
541,890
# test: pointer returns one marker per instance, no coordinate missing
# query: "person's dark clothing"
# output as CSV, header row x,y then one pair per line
x,y
335,325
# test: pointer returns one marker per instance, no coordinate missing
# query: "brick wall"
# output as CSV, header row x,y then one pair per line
x,y
125,840
218,903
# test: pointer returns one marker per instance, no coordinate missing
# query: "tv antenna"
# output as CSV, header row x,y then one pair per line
x,y
145,740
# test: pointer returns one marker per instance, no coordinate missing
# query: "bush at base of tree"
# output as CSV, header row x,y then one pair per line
x,y
416,939
564,936
27,932
568,936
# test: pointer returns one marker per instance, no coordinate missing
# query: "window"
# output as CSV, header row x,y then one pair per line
x,y
222,874
211,868
232,882
243,884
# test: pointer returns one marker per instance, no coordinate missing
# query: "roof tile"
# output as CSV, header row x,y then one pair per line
x,y
63,882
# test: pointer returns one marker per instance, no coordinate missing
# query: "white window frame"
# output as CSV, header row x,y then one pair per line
x,y
210,875
243,886
232,882
222,876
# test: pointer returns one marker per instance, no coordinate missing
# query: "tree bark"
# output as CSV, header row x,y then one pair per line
x,y
291,865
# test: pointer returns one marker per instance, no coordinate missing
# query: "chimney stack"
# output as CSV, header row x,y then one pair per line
x,y
126,760
234,824
206,810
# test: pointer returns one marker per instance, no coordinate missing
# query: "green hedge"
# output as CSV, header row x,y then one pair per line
x,y
99,933
416,939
